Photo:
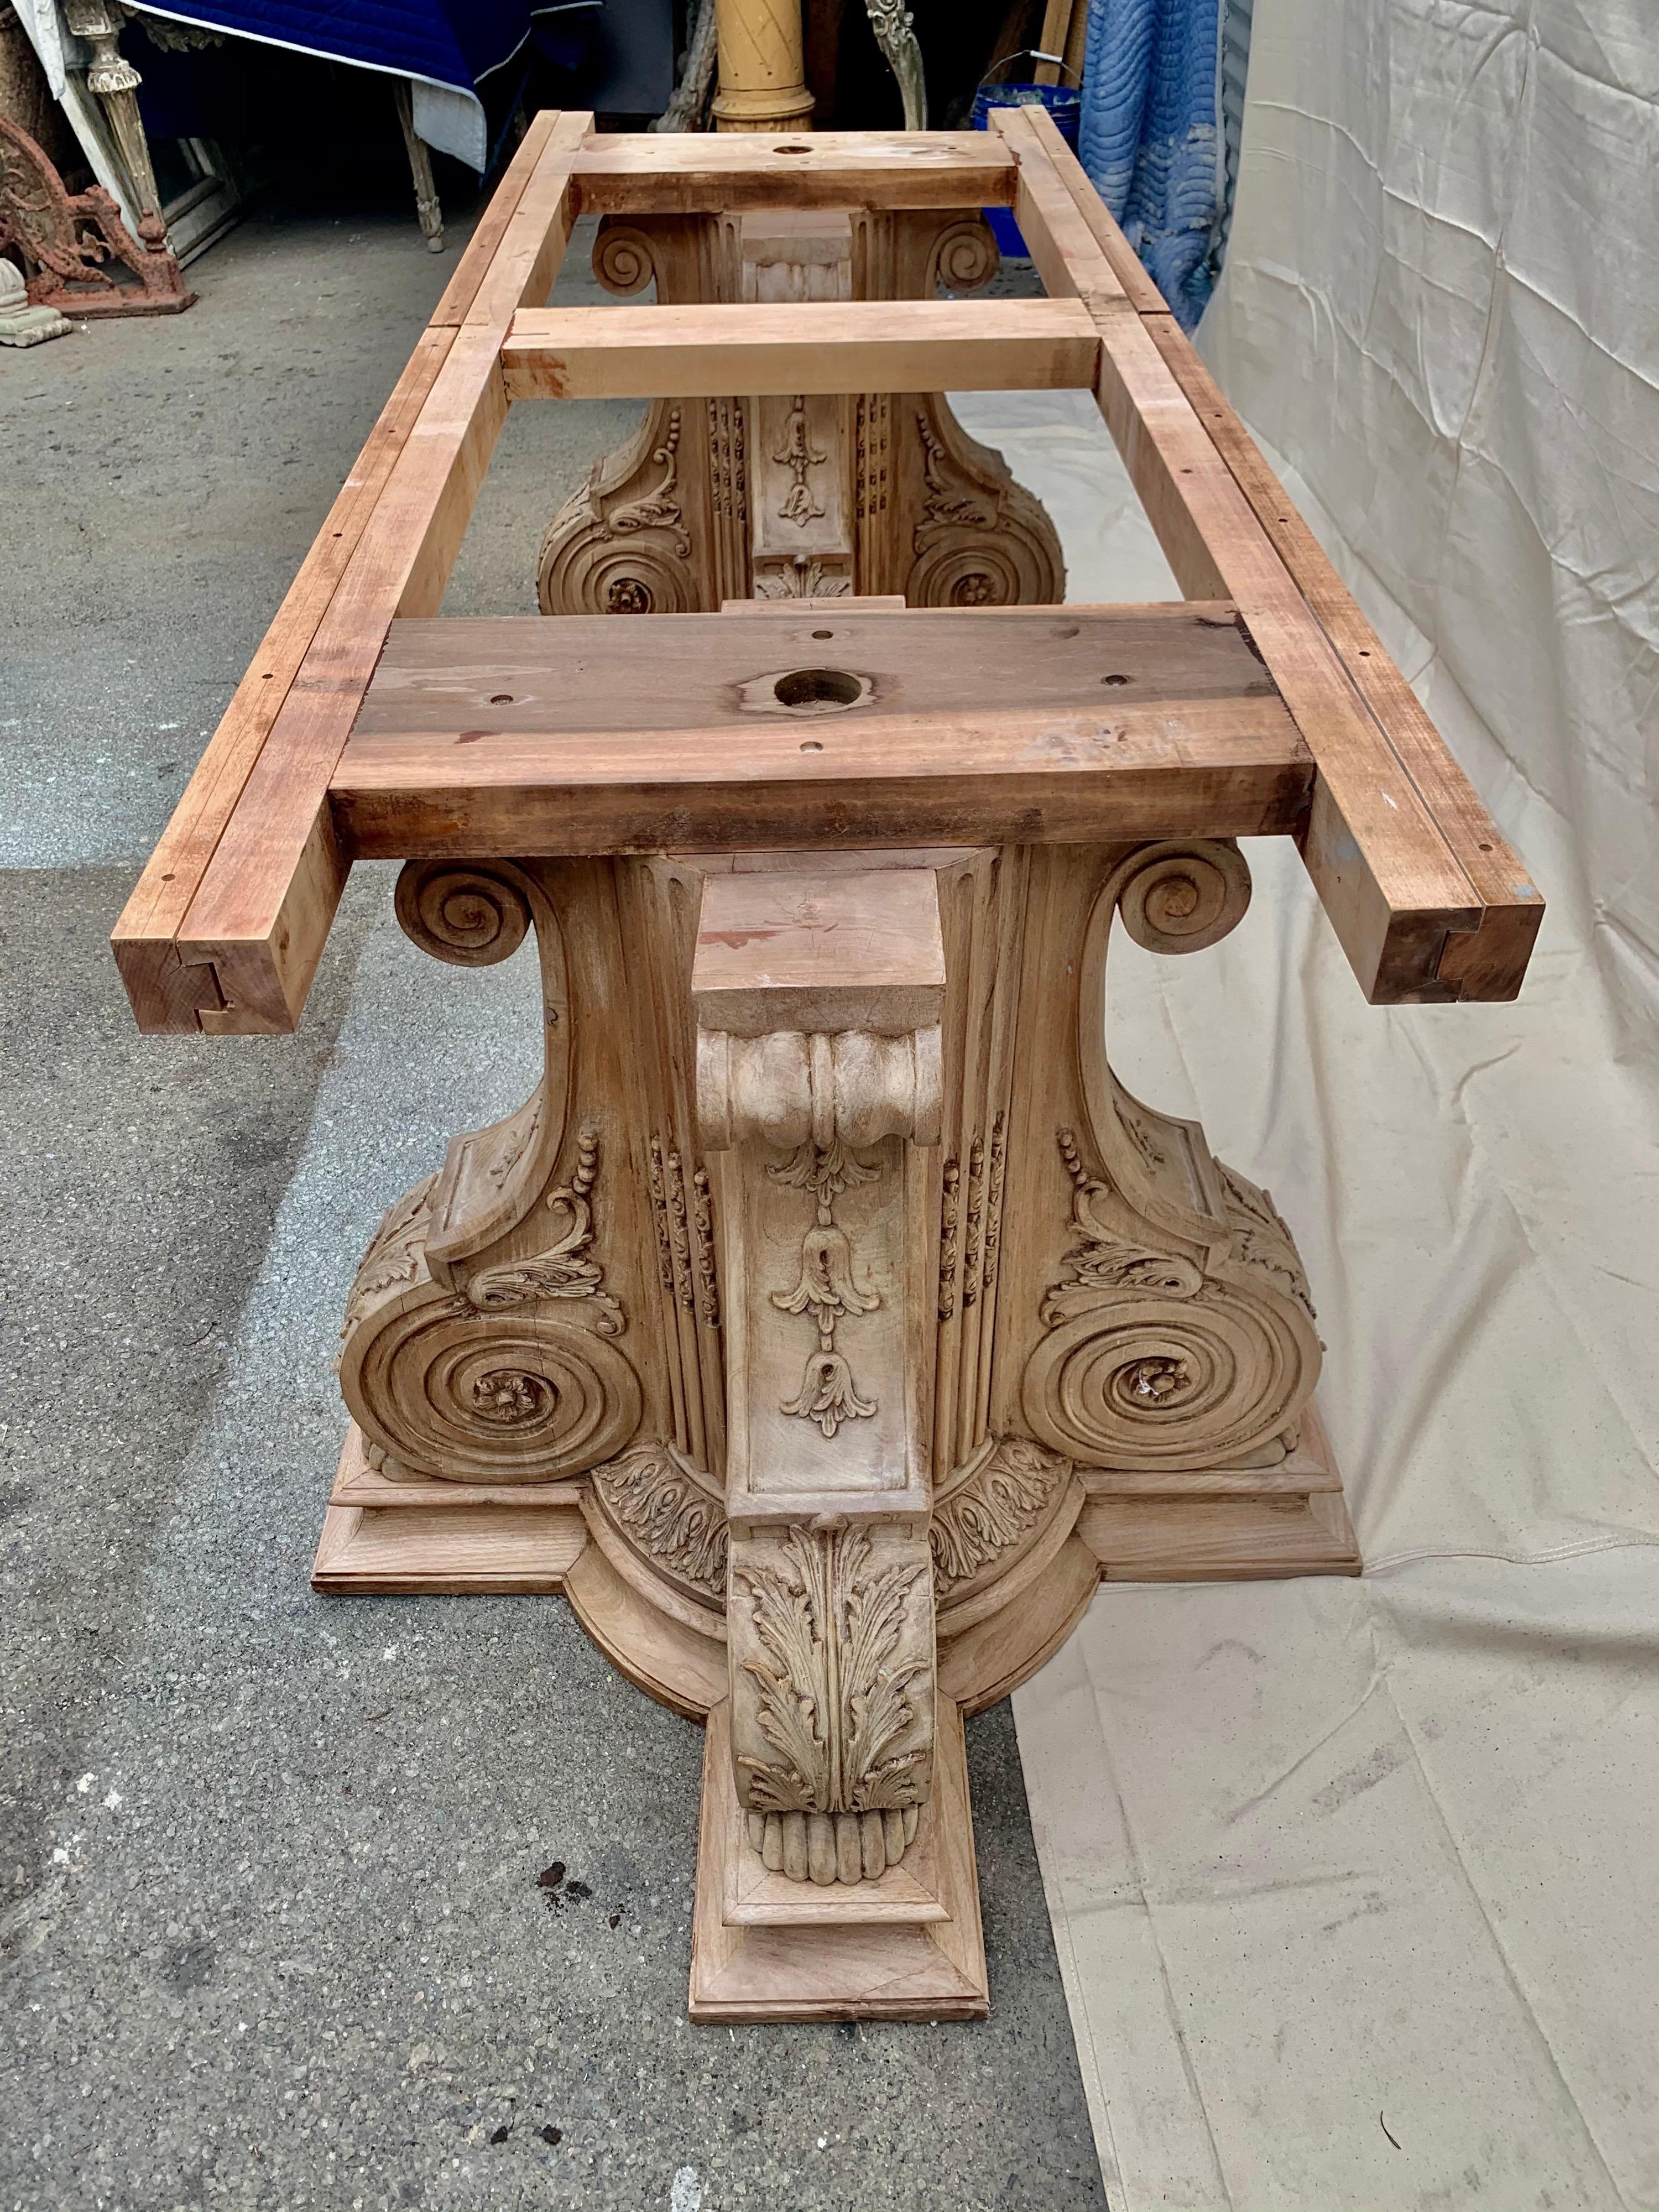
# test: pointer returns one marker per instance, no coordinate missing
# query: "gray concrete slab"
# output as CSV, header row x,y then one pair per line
x,y
273,1936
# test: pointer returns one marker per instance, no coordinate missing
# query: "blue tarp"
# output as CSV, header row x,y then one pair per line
x,y
454,42
1151,137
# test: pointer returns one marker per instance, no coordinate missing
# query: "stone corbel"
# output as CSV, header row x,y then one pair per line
x,y
818,1001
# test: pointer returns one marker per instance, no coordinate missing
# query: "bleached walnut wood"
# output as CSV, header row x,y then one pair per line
x,y
829,1323
842,1953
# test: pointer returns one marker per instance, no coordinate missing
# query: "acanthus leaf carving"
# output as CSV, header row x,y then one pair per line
x,y
993,1510
565,1269
662,1502
657,509
803,576
834,1676
1260,1239
1102,1259
620,544
395,1252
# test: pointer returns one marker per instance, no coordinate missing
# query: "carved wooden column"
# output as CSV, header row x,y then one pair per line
x,y
762,69
112,77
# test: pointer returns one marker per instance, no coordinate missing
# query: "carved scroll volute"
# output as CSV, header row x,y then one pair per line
x,y
1172,1328
818,1001
481,1338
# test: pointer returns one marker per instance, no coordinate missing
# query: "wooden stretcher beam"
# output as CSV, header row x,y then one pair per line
x,y
1426,897
698,173
263,897
495,736
165,993
855,345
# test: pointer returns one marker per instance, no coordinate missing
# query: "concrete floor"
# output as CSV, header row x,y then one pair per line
x,y
271,1934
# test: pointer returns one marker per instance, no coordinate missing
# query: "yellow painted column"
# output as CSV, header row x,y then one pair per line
x,y
763,83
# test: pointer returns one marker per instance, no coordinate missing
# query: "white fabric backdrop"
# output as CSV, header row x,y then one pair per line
x,y
1354,1884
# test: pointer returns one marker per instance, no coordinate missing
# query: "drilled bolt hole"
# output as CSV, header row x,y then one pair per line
x,y
795,148
1116,679
821,690
823,633
501,698
810,745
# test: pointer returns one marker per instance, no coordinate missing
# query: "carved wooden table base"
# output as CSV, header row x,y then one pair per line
x,y
825,1325
829,1322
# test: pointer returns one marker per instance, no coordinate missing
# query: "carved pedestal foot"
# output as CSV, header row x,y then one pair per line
x,y
906,1945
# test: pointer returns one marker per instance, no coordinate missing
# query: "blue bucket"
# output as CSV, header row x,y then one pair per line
x,y
1064,102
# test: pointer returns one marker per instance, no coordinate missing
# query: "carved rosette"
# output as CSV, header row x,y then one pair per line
x,y
499,1381
621,546
980,539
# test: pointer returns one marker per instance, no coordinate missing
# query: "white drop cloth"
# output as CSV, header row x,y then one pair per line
x,y
1355,1885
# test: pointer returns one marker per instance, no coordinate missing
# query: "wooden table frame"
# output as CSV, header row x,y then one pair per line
x,y
226,926
830,1320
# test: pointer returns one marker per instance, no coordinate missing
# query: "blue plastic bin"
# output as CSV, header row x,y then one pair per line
x,y
1064,102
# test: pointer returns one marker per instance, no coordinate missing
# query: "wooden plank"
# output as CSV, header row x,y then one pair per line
x,y
1383,870
167,996
1128,270
833,346
526,675
499,735
491,227
1215,769
268,894
697,172
1489,962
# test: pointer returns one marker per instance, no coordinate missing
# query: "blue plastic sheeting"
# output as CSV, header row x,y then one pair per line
x,y
454,42
1150,138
